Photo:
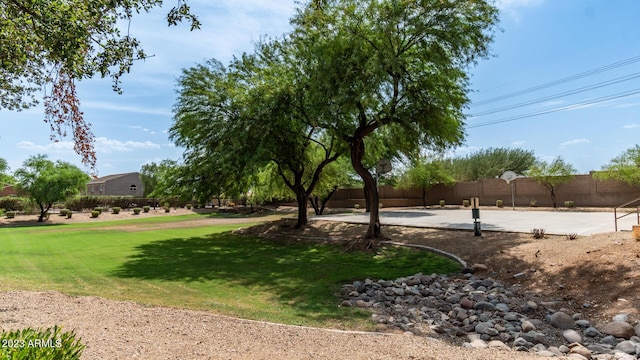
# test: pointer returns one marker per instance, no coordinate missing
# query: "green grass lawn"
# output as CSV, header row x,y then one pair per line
x,y
206,268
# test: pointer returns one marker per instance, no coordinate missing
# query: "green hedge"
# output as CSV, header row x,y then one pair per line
x,y
14,203
48,343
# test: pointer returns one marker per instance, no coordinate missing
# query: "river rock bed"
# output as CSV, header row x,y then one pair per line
x,y
480,312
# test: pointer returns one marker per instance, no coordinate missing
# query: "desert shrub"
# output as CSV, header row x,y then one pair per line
x,y
95,213
48,343
11,214
145,209
356,206
100,209
442,202
572,236
499,203
136,211
116,209
69,214
538,233
167,209
569,204
533,203
13,203
63,212
188,206
465,203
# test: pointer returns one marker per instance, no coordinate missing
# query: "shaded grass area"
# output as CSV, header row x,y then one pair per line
x,y
206,268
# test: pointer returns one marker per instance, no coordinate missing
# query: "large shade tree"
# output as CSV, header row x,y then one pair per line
x,y
254,112
423,174
624,167
48,45
552,174
399,65
47,182
4,177
490,163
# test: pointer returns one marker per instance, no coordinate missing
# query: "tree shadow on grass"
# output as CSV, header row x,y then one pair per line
x,y
304,276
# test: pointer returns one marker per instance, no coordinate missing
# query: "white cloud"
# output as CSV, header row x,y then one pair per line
x,y
631,126
574,142
125,108
512,8
518,143
60,147
111,145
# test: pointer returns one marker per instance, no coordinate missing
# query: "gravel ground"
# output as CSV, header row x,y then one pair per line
x,y
125,330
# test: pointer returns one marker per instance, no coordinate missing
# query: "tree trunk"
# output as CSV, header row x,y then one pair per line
x,y
302,198
424,198
367,204
315,204
371,192
43,212
553,198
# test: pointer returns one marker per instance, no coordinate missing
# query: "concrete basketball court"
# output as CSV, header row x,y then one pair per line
x,y
559,222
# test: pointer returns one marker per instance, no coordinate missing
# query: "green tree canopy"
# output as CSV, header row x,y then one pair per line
x,y
49,44
552,174
397,65
47,182
254,112
490,163
423,174
624,167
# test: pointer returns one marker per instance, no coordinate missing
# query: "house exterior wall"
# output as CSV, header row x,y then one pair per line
x,y
125,185
583,190
7,190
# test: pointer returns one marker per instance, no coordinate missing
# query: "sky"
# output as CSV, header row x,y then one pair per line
x,y
563,80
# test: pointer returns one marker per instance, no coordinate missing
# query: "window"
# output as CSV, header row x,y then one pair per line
x,y
133,188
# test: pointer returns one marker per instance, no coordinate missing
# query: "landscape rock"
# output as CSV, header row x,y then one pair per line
x,y
626,346
561,320
489,314
572,336
619,329
576,348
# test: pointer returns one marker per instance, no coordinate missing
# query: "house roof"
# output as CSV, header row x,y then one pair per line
x,y
104,179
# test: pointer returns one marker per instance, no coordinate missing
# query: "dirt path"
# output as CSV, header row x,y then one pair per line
x,y
125,330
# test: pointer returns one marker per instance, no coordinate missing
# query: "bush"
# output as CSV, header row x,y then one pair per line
x,y
356,206
499,203
95,213
116,209
69,213
48,343
569,204
11,214
146,208
533,203
63,212
538,233
465,203
14,203
100,209
167,209
136,211
189,206
442,202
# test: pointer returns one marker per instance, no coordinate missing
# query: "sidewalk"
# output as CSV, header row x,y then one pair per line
x,y
553,222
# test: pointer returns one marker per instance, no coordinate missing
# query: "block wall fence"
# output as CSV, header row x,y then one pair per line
x,y
583,190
